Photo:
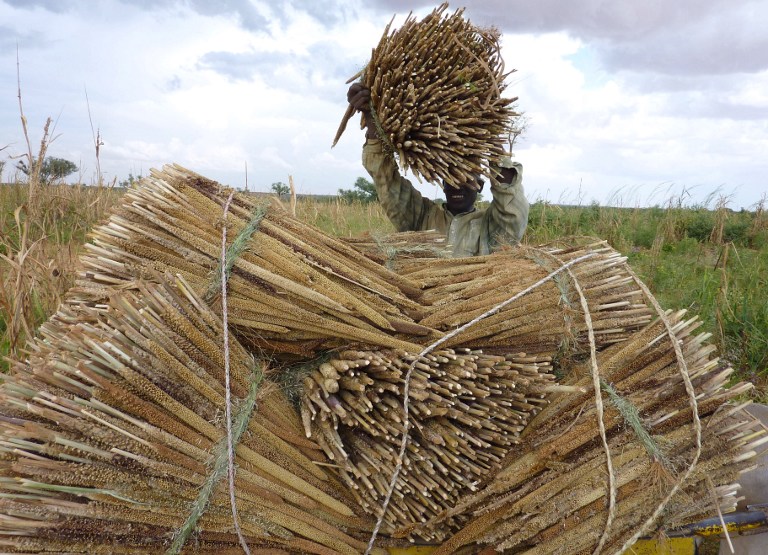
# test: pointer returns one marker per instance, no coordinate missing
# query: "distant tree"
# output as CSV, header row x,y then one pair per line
x,y
56,168
363,191
130,180
52,169
280,189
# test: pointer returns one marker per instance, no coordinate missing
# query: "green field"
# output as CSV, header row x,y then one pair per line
x,y
711,261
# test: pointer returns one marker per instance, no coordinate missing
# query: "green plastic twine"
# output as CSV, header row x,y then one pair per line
x,y
632,417
234,251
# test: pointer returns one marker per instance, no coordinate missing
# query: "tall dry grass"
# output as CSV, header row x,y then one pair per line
x,y
43,224
344,219
42,229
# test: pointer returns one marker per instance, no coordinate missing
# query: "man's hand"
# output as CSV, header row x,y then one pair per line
x,y
359,98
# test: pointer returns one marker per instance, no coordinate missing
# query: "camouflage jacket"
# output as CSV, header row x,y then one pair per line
x,y
472,233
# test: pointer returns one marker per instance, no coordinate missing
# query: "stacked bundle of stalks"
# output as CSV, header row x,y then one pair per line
x,y
554,494
292,288
545,321
467,410
436,96
110,442
106,429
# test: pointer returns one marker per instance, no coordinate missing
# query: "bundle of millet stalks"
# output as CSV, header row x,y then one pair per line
x,y
293,289
112,440
616,454
468,409
436,96
539,393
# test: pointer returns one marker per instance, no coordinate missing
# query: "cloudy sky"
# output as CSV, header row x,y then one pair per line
x,y
629,102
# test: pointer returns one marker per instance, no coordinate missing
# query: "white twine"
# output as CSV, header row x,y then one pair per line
x,y
228,398
600,417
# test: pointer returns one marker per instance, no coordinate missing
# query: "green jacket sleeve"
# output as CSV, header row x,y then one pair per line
x,y
507,216
405,206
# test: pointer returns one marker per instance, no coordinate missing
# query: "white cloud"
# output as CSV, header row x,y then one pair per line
x,y
216,87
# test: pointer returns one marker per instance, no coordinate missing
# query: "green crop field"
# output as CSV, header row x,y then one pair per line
x,y
711,261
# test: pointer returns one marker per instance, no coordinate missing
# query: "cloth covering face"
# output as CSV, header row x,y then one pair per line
x,y
472,233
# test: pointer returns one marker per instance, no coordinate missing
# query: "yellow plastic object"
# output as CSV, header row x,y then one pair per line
x,y
668,546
